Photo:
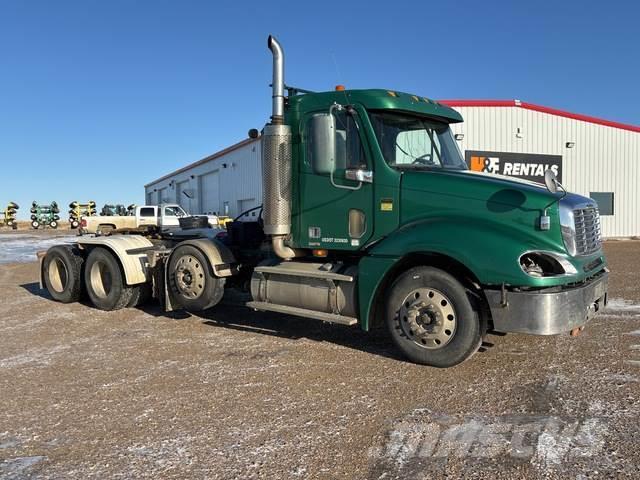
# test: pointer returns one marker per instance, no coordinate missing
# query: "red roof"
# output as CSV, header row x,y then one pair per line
x,y
539,108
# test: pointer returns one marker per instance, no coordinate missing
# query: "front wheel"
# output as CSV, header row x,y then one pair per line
x,y
431,318
192,284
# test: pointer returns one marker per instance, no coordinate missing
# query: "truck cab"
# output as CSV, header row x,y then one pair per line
x,y
164,215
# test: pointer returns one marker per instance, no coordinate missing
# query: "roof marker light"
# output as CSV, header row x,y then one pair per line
x,y
340,88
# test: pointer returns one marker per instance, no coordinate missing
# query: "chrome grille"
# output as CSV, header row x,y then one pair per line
x,y
588,236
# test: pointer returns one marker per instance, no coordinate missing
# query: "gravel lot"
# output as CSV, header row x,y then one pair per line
x,y
238,394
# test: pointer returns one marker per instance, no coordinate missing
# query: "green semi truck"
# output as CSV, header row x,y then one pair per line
x,y
370,217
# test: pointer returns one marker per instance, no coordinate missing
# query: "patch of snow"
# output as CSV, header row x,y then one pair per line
x,y
39,356
22,247
622,305
17,467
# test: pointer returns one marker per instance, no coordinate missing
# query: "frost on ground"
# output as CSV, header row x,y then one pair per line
x,y
22,247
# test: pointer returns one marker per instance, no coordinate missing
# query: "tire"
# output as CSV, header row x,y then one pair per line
x,y
431,318
14,226
55,209
62,273
53,224
105,282
13,205
35,224
74,223
10,223
33,210
192,284
141,295
73,204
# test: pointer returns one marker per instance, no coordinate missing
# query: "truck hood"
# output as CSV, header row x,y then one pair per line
x,y
488,189
504,178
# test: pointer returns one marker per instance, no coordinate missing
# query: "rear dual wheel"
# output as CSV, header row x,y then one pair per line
x,y
106,284
62,273
432,319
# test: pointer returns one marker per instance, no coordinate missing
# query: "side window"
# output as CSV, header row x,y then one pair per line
x,y
348,153
147,212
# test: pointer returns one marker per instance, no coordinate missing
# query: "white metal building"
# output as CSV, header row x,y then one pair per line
x,y
593,157
226,183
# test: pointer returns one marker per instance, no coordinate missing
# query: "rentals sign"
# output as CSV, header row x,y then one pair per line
x,y
528,166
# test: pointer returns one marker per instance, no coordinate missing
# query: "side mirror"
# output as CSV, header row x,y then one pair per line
x,y
551,181
322,142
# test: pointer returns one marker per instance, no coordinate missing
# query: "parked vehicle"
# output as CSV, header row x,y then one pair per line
x,y
370,217
78,210
44,215
162,216
9,216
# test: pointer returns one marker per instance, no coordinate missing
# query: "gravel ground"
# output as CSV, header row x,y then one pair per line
x,y
238,394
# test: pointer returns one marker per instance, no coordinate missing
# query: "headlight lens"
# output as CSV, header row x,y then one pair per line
x,y
545,264
568,227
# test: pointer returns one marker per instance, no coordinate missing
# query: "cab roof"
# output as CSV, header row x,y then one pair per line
x,y
378,99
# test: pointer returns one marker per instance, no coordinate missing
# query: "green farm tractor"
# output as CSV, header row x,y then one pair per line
x,y
44,215
9,216
109,210
78,210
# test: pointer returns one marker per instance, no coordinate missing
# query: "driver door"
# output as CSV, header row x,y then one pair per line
x,y
336,189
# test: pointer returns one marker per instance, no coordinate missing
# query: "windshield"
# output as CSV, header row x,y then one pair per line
x,y
408,141
174,211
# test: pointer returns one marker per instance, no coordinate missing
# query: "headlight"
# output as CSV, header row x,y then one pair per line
x,y
568,228
545,264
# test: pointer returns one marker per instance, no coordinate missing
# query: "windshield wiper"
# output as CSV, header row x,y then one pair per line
x,y
413,166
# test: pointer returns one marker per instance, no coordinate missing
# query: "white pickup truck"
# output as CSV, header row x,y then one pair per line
x,y
163,216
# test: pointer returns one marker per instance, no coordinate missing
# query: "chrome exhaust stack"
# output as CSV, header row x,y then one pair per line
x,y
276,163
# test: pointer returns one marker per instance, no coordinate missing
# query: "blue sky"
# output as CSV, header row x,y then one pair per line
x,y
98,98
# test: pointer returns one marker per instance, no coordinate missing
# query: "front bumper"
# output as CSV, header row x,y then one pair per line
x,y
549,311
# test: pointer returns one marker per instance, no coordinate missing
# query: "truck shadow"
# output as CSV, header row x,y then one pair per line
x,y
236,316
34,289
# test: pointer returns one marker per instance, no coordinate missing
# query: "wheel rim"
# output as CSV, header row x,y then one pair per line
x,y
189,274
428,318
58,275
101,280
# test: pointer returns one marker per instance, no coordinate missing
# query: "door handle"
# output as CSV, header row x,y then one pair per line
x,y
363,176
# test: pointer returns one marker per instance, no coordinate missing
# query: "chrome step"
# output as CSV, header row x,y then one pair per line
x,y
303,312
